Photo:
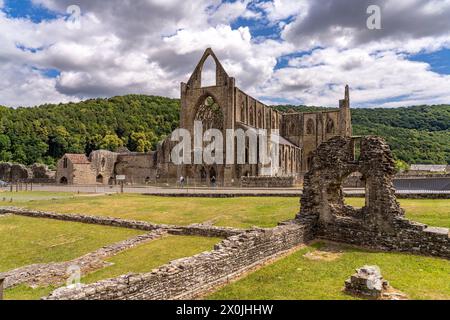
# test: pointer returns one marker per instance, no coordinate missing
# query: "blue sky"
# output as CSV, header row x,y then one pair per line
x,y
279,51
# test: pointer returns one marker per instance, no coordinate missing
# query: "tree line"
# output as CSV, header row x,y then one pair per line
x,y
42,134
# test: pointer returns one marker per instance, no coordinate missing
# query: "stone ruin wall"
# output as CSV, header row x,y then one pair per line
x,y
380,223
37,173
190,277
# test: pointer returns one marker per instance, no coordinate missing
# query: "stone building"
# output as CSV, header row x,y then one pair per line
x,y
224,106
219,106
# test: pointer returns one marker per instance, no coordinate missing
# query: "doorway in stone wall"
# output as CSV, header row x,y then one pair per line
x,y
99,179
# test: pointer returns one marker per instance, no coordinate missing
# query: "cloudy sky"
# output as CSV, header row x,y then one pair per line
x,y
300,52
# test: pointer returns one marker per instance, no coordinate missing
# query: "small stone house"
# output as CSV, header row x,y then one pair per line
x,y
75,169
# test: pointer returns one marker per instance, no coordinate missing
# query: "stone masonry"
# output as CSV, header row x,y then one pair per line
x,y
55,273
187,278
380,223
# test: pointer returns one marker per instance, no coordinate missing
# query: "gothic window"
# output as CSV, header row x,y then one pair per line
x,y
242,112
208,74
210,114
310,127
330,126
103,163
65,163
251,116
292,129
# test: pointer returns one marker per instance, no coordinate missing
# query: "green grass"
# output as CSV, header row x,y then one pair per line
x,y
142,258
25,241
298,278
26,196
234,212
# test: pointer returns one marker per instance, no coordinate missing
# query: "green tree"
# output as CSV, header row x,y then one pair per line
x,y
111,142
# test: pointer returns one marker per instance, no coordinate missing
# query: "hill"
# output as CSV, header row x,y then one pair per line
x,y
419,134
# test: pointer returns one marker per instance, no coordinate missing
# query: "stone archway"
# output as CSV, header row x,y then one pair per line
x,y
332,163
99,179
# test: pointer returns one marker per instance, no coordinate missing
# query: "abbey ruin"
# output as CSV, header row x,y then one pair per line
x,y
221,106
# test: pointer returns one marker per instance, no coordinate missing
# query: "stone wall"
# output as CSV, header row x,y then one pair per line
x,y
55,273
406,236
13,172
267,182
188,278
380,223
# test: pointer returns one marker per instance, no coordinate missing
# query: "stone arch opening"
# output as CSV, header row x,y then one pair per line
x,y
242,112
310,127
99,179
208,74
63,180
330,126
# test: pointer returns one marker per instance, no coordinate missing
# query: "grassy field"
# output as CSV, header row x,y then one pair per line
x,y
143,258
300,278
233,212
26,241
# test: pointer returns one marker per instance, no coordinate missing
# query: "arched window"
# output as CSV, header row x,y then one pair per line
x,y
330,126
210,114
65,163
103,163
310,127
208,76
292,129
242,112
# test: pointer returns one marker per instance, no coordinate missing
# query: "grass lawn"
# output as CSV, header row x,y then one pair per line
x,y
297,277
234,212
143,258
26,240
26,196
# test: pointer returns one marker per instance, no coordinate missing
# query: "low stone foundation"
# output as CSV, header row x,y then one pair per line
x,y
406,236
267,182
55,273
190,277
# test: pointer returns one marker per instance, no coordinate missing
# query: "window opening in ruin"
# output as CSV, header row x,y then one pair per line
x,y
208,76
330,126
310,127
65,163
210,114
